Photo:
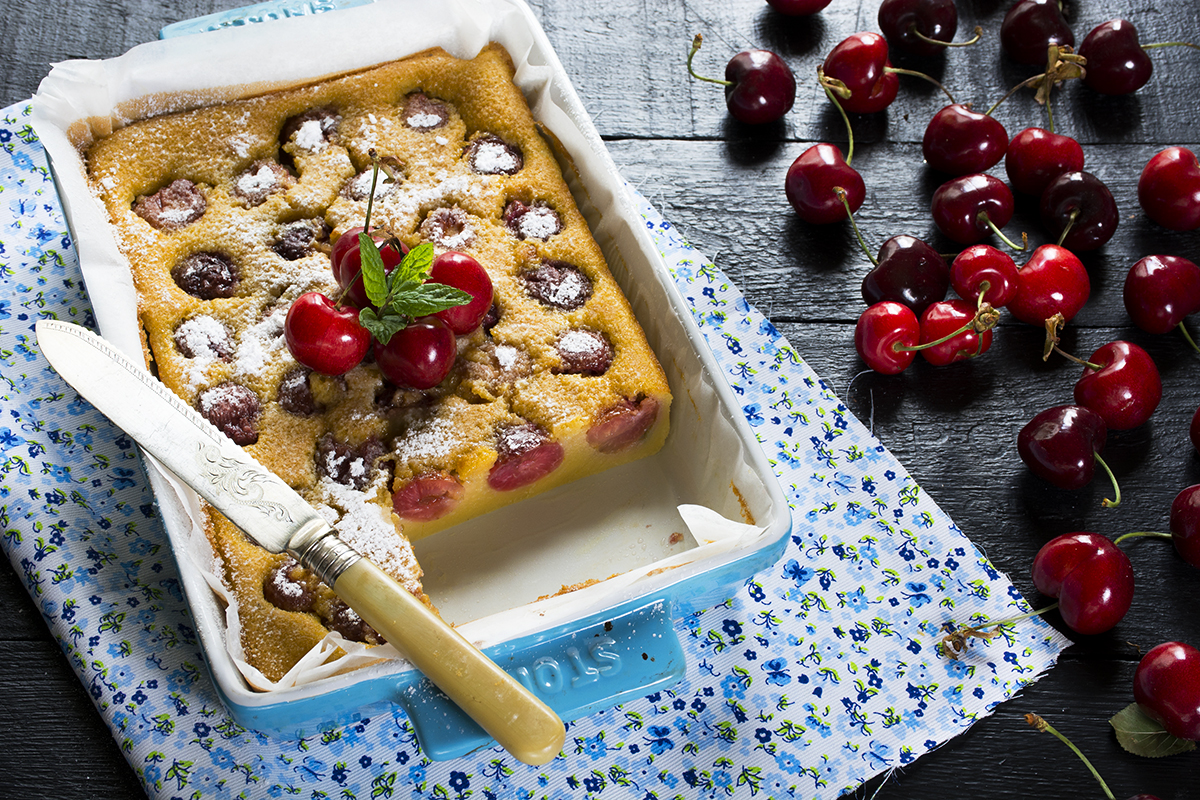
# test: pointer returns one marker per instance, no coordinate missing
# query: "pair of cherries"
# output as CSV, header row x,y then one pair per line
x,y
328,337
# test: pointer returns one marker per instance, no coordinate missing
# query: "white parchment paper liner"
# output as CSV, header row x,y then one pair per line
x,y
160,77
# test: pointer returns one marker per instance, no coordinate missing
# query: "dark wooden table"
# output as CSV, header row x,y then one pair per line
x,y
954,427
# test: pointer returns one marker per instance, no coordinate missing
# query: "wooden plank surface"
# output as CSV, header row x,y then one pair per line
x,y
721,183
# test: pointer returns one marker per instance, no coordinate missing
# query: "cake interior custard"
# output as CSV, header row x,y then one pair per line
x,y
227,214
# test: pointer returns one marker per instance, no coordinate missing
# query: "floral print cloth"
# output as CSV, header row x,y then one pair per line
x,y
813,676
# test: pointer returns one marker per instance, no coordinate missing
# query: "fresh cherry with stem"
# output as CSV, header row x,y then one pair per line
x,y
1030,27
821,185
907,271
1160,291
860,76
1041,725
983,273
1090,577
1053,281
323,336
886,336
759,85
1062,445
1169,189
959,141
1079,209
956,330
1166,686
1036,156
969,207
1117,63
1120,382
921,27
1183,524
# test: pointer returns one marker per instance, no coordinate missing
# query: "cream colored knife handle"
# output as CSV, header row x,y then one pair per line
x,y
522,724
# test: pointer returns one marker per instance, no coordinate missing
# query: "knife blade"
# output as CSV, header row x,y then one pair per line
x,y
276,517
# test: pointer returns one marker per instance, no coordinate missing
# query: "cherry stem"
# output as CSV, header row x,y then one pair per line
x,y
842,195
1056,349
1188,336
984,320
1142,534
845,119
366,221
978,35
915,74
1116,486
1041,725
696,42
1070,220
983,215
954,643
1012,91
1170,44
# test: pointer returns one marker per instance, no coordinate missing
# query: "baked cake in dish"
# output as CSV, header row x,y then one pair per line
x,y
227,213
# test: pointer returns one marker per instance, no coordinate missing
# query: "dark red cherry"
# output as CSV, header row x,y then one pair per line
x,y
459,270
798,8
963,206
959,141
1030,27
1036,156
860,62
1081,205
761,87
1060,444
1116,62
944,318
813,180
1194,430
1185,523
325,337
901,20
1053,281
1169,189
419,356
1125,389
1166,685
883,333
982,264
908,271
346,261
1091,577
1160,291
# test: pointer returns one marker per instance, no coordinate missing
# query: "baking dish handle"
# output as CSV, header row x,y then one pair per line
x,y
577,672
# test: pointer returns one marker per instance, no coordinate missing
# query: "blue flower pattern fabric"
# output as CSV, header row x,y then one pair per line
x,y
813,676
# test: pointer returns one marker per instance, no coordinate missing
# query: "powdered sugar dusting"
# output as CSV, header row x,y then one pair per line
x,y
506,356
424,122
539,222
310,136
261,344
262,181
495,158
428,438
368,529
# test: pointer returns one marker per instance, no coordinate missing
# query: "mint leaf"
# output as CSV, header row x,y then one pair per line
x,y
1142,736
374,276
414,267
382,326
427,298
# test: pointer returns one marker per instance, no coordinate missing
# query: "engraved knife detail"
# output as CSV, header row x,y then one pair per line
x,y
243,486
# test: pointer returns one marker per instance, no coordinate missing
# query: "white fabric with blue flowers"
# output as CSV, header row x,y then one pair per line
x,y
815,675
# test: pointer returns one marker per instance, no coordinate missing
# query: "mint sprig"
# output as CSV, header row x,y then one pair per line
x,y
405,293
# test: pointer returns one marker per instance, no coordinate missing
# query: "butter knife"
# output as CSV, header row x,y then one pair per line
x,y
274,516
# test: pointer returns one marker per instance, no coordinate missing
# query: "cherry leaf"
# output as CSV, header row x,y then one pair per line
x,y
374,275
1143,736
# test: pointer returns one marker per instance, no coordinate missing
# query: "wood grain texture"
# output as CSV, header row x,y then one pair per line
x,y
954,428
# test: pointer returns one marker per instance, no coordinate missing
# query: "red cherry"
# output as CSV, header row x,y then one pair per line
x,y
1126,387
1160,291
1116,62
798,8
881,331
944,318
419,356
1194,430
1166,685
860,62
346,260
812,182
1030,27
325,337
1060,444
463,272
1053,281
962,207
1035,157
907,271
1091,577
761,87
1079,209
959,141
1169,189
429,496
901,20
1185,523
982,263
